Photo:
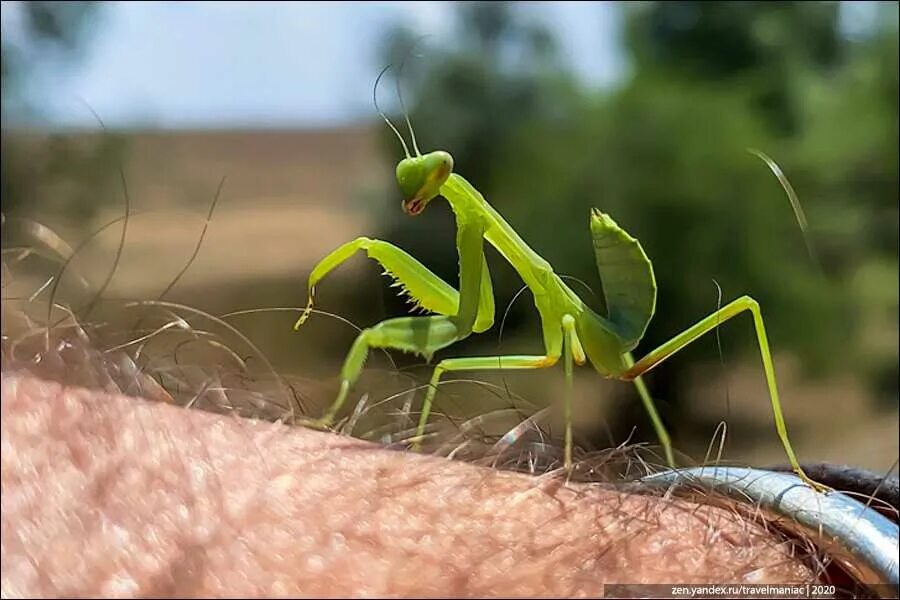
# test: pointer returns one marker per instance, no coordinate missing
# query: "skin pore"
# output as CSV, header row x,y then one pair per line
x,y
115,496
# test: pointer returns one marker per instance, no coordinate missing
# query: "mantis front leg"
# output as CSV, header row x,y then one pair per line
x,y
424,287
471,309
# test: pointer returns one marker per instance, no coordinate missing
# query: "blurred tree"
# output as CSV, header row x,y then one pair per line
x,y
67,175
848,157
769,43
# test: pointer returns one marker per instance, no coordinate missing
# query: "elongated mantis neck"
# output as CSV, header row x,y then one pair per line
x,y
467,203
464,199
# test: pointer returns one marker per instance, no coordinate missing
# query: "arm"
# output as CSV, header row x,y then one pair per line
x,y
109,495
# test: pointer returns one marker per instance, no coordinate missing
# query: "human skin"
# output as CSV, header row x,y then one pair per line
x,y
115,496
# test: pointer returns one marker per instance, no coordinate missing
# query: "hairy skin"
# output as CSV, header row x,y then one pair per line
x,y
115,496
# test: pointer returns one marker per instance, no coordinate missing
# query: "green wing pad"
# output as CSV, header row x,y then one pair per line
x,y
626,274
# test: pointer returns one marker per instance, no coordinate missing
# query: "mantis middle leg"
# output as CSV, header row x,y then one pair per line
x,y
744,303
421,335
571,349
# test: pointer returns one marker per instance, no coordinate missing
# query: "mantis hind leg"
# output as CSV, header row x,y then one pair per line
x,y
659,427
745,303
419,335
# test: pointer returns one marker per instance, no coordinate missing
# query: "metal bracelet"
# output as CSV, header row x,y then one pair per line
x,y
862,540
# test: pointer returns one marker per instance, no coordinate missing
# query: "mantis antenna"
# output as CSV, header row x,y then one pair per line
x,y
403,104
384,116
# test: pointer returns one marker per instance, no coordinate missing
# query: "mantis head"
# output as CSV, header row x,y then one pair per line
x,y
421,177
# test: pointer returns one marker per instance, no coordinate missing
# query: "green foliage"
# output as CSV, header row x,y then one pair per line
x,y
769,44
666,154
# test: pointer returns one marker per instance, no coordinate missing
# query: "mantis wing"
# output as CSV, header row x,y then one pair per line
x,y
626,275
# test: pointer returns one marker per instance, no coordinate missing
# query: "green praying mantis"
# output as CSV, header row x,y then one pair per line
x,y
572,331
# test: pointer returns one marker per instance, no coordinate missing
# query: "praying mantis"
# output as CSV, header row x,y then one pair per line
x,y
572,331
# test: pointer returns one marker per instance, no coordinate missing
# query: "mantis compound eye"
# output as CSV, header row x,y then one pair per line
x,y
421,177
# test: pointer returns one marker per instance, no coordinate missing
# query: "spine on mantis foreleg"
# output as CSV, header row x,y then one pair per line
x,y
428,293
626,275
422,289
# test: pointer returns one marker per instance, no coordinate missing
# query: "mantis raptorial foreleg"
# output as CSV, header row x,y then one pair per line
x,y
744,303
467,310
427,289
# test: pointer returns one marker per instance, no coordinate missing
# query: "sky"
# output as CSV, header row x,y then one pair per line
x,y
258,64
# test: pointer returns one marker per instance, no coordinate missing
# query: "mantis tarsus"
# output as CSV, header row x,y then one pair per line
x,y
572,331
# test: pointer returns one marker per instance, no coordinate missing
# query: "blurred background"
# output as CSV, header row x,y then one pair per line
x,y
644,110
